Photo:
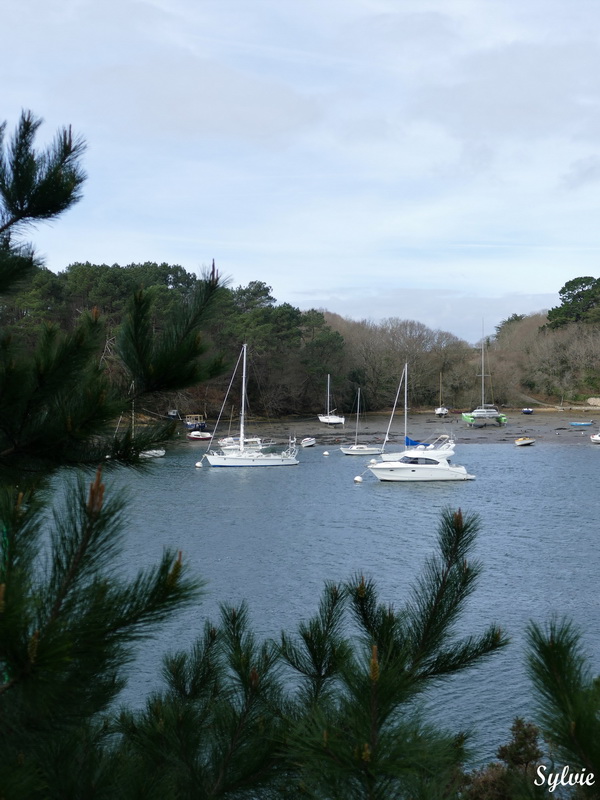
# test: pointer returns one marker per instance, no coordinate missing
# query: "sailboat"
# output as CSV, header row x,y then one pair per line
x,y
357,449
420,462
441,410
330,417
242,456
486,412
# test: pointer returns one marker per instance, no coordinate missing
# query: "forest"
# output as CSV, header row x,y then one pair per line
x,y
539,358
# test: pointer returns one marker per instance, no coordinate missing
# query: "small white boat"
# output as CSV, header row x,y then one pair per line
x,y
357,449
441,410
198,436
524,441
527,411
308,441
595,438
157,452
330,417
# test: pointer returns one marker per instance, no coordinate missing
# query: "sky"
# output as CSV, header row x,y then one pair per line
x,y
432,160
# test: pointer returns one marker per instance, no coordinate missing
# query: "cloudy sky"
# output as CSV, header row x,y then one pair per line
x,y
436,160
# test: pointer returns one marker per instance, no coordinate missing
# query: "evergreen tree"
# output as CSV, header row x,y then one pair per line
x,y
568,696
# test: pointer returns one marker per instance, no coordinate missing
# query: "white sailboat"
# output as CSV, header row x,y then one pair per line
x,y
441,410
357,449
242,456
420,462
330,417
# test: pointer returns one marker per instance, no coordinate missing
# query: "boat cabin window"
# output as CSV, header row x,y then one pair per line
x,y
415,460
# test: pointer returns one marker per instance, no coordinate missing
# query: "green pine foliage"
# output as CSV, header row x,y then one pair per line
x,y
568,696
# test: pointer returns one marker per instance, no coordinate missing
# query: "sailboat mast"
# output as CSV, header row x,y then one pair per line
x,y
243,406
387,433
482,371
357,415
328,393
405,403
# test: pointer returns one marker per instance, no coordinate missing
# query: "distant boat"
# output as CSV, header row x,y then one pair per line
x,y
580,424
357,449
330,417
527,411
595,438
308,441
486,412
524,441
441,410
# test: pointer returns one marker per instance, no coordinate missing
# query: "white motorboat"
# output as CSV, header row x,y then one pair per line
x,y
595,438
421,461
420,466
330,417
240,456
357,449
524,441
308,441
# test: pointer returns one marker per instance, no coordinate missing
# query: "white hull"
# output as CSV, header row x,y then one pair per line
x,y
442,411
247,459
524,441
308,441
361,450
332,419
397,471
158,452
595,438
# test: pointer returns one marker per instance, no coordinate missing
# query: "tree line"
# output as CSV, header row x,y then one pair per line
x,y
330,710
550,357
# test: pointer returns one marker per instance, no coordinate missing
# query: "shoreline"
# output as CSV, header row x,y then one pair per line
x,y
543,424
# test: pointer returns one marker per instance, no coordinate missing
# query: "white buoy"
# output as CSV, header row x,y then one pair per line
x,y
358,479
326,453
198,463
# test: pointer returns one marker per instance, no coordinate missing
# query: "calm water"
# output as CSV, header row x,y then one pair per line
x,y
274,536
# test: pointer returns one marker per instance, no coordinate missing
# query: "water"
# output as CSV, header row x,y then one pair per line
x,y
274,536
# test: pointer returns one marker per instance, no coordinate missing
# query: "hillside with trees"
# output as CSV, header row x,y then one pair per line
x,y
550,358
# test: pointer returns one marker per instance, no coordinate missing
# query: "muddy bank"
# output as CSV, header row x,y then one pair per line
x,y
543,425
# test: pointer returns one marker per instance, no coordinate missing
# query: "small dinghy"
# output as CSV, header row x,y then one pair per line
x,y
524,441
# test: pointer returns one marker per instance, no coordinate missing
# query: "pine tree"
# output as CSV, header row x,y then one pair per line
x,y
568,698
68,624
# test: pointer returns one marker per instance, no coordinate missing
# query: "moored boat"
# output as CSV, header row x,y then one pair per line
x,y
524,441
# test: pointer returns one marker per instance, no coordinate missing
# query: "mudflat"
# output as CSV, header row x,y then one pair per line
x,y
543,425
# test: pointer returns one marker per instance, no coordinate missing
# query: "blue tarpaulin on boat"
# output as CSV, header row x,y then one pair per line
x,y
412,442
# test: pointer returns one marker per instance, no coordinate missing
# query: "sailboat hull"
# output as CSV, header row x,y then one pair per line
x,y
250,459
361,450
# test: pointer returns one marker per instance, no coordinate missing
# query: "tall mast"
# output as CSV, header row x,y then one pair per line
x,y
405,403
243,406
328,394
